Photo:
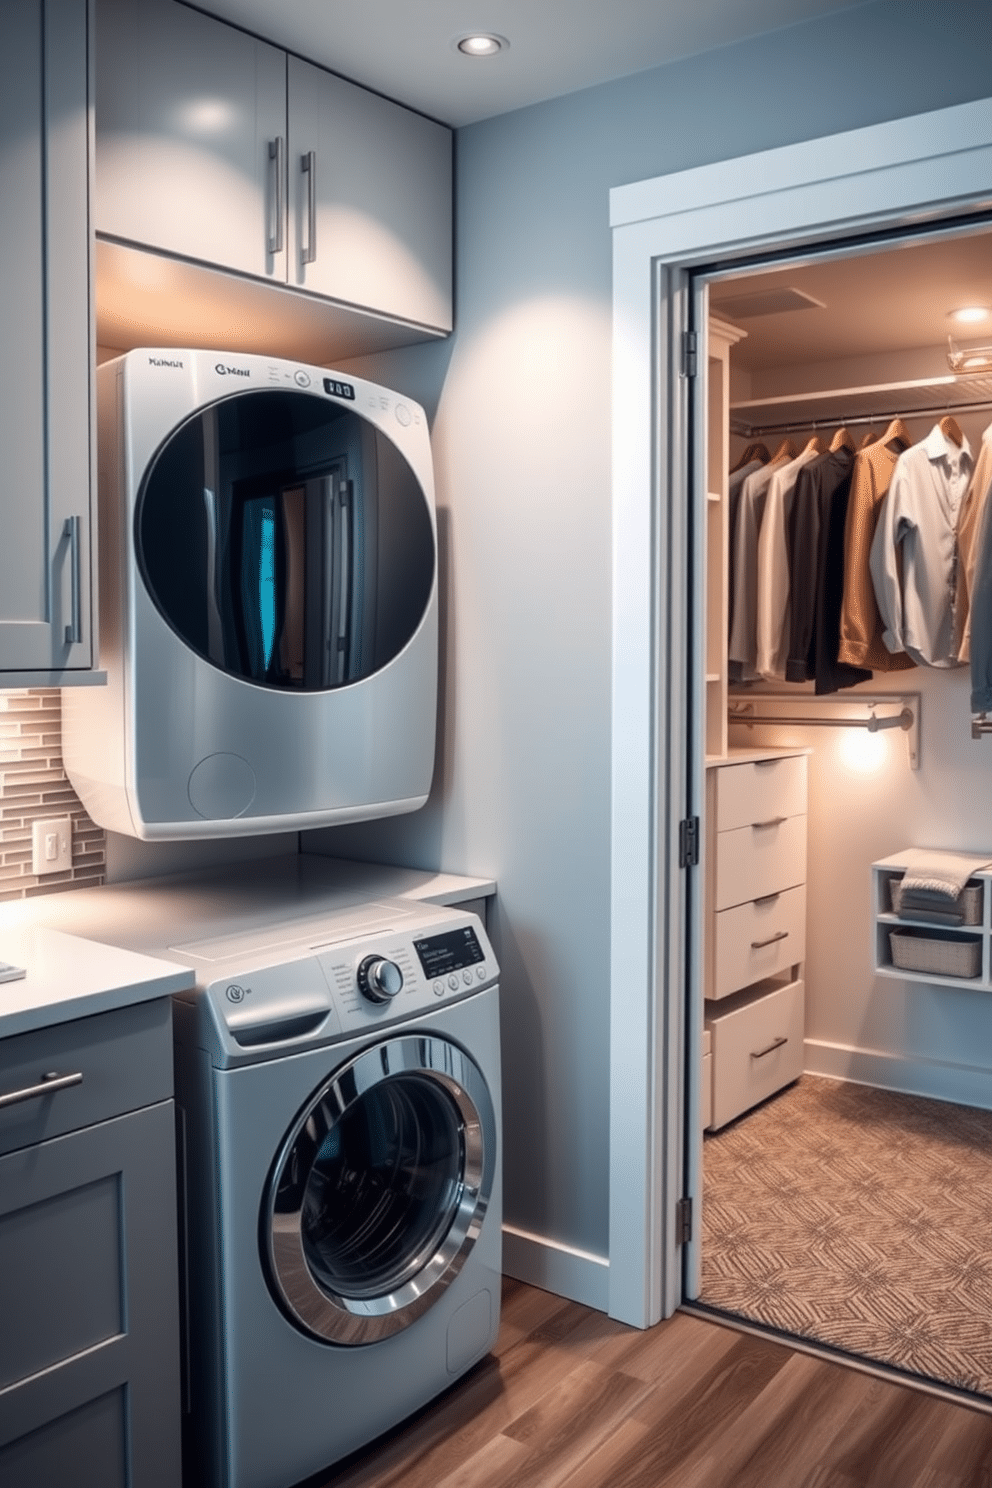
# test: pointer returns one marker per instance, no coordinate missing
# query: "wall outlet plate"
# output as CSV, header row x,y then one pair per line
x,y
51,845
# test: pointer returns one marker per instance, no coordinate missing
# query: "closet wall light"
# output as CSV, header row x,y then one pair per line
x,y
970,314
863,753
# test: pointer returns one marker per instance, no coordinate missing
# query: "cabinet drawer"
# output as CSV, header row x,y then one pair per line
x,y
757,1048
754,861
760,790
757,940
124,1058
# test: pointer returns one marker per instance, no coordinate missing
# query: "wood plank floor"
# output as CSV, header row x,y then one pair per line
x,y
571,1399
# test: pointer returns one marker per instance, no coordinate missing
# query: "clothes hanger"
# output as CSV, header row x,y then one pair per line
x,y
866,440
897,431
755,451
815,444
785,451
951,429
842,440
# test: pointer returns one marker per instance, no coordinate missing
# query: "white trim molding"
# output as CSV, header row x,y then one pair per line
x,y
909,1074
576,1274
903,173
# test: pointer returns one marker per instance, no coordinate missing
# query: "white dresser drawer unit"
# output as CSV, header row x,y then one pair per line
x,y
757,1048
760,859
758,939
758,790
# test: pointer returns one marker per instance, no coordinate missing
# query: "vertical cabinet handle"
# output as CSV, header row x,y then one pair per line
x,y
277,194
308,165
74,630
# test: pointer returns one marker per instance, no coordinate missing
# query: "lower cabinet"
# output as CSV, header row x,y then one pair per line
x,y
89,1306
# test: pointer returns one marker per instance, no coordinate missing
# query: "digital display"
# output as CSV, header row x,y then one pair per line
x,y
440,954
339,389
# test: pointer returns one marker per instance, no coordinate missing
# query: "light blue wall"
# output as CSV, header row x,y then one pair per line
x,y
520,403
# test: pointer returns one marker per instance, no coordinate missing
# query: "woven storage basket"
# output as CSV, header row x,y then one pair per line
x,y
968,902
940,954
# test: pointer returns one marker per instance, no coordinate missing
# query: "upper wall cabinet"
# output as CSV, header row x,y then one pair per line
x,y
45,580
220,149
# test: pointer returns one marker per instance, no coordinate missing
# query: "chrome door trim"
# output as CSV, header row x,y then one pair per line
x,y
335,1317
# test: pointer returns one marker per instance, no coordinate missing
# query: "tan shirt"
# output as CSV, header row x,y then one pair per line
x,y
968,522
861,627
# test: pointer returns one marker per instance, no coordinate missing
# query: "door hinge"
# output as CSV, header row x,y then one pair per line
x,y
690,348
689,842
683,1221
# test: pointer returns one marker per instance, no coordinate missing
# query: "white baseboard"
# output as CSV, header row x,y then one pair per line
x,y
576,1274
962,1084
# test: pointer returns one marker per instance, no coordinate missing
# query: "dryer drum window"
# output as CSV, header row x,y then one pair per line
x,y
286,540
379,1191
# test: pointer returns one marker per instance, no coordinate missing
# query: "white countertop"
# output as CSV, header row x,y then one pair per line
x,y
69,977
88,950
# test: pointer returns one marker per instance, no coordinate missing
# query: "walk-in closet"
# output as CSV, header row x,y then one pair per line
x,y
846,1061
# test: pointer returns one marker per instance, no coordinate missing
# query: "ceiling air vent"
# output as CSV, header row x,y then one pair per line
x,y
766,302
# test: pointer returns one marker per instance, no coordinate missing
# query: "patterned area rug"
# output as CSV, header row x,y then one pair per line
x,y
859,1218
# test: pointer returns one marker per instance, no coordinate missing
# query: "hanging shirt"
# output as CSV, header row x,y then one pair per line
x,y
861,643
969,520
773,568
914,550
735,485
744,557
981,615
816,574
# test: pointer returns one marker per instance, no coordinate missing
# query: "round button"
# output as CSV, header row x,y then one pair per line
x,y
301,378
403,415
480,972
438,989
453,983
467,978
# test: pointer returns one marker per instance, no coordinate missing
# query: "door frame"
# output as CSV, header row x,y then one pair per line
x,y
900,174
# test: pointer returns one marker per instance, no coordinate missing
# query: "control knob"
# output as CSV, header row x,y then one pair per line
x,y
379,979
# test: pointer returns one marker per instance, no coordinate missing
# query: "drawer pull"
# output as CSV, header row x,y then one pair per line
x,y
775,1044
769,898
774,821
47,1085
757,945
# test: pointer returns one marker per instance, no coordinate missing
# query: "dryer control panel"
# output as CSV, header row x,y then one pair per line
x,y
325,989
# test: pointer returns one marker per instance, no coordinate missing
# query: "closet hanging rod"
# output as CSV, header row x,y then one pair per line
x,y
899,710
834,420
903,720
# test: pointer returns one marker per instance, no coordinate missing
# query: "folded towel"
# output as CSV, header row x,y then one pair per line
x,y
941,874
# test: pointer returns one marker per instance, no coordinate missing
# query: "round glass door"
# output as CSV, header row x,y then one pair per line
x,y
379,1191
286,540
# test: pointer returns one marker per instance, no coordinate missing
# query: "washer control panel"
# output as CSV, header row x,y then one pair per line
x,y
322,990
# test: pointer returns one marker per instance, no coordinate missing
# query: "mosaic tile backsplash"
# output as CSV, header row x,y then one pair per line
x,y
33,787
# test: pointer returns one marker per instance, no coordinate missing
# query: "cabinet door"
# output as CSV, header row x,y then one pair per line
x,y
370,200
190,114
89,1343
44,326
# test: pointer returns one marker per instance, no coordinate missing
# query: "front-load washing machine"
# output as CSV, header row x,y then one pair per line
x,y
339,1083
268,600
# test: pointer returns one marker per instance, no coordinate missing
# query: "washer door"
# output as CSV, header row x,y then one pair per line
x,y
380,1189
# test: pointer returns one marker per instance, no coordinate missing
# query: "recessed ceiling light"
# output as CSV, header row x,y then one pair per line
x,y
482,44
970,314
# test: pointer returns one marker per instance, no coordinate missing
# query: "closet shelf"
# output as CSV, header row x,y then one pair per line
x,y
870,404
771,709
972,941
